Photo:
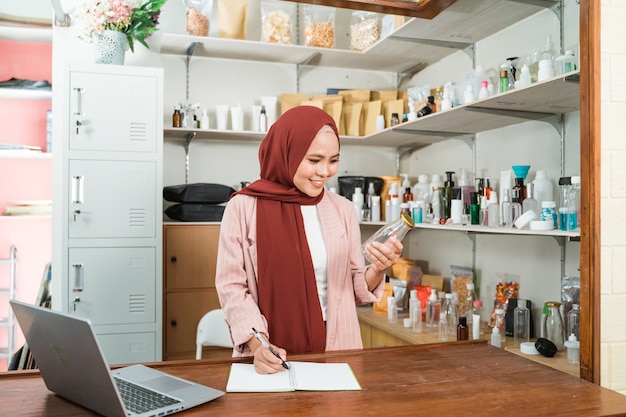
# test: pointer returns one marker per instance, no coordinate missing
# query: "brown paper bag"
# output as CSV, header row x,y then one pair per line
x,y
351,117
369,112
315,103
232,18
390,107
355,96
381,306
435,281
288,101
384,95
333,105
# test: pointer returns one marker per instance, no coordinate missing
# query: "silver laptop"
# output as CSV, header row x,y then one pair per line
x,y
73,366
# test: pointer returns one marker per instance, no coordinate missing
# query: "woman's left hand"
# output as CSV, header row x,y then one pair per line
x,y
384,256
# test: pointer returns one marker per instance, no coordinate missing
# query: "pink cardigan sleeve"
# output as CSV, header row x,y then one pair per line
x,y
235,276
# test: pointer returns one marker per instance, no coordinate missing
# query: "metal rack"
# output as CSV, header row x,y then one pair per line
x,y
8,292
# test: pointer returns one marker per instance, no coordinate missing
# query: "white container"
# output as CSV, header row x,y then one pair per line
x,y
564,63
204,120
544,190
546,70
270,109
222,116
421,190
357,200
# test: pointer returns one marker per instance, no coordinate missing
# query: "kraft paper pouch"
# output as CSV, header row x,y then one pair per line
x,y
404,96
389,107
369,112
355,96
232,18
351,116
289,101
333,105
315,103
434,281
381,306
401,269
384,95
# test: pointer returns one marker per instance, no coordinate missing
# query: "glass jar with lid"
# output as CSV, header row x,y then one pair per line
x,y
553,329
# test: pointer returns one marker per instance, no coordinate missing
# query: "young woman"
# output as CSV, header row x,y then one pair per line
x,y
289,261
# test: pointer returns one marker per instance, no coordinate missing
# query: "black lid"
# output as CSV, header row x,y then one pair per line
x,y
565,181
431,99
519,181
474,197
394,114
545,347
463,321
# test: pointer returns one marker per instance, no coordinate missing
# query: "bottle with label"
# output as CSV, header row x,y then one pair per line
x,y
406,185
500,323
462,329
474,209
177,117
548,212
395,119
504,78
564,63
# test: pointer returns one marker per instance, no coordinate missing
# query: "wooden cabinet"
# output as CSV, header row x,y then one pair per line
x,y
189,259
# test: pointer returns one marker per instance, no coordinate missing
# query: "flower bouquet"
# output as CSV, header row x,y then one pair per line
x,y
136,19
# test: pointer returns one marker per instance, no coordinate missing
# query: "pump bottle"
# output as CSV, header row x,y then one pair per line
x,y
406,186
447,194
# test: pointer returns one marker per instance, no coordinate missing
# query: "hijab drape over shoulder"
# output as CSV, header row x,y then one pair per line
x,y
286,280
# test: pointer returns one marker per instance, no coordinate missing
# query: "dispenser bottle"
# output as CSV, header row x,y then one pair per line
x,y
392,310
493,210
465,185
447,194
371,193
507,209
406,186
474,209
433,307
263,120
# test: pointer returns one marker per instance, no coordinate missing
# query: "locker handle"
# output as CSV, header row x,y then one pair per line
x,y
78,189
79,277
79,101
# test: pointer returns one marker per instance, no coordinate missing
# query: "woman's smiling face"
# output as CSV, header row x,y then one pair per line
x,y
319,164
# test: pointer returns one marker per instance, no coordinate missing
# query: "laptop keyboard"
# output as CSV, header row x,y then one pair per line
x,y
139,399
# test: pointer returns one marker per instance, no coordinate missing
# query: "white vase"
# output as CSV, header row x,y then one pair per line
x,y
109,47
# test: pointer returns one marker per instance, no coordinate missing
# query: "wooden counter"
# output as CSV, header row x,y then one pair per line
x,y
451,379
376,331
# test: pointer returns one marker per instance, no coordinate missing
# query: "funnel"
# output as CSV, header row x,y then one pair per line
x,y
521,170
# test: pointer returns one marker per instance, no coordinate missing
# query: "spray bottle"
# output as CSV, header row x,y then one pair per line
x,y
447,194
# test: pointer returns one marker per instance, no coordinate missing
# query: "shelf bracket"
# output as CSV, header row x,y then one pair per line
x,y
190,50
188,138
408,73
300,66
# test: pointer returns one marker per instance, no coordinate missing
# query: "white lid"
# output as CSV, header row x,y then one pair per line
x,y
528,348
449,295
423,179
525,219
469,285
548,204
575,179
413,294
495,330
540,174
572,342
357,190
541,225
525,69
433,294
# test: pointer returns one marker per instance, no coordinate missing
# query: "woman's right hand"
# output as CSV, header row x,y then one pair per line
x,y
264,361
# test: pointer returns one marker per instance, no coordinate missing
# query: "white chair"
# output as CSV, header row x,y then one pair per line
x,y
212,331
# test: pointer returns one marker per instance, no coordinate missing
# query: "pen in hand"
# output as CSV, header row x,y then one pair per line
x,y
268,346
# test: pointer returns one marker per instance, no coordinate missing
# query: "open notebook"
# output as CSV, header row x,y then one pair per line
x,y
302,376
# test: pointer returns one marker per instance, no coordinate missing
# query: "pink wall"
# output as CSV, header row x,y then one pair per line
x,y
24,122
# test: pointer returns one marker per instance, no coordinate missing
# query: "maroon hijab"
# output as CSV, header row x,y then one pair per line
x,y
286,280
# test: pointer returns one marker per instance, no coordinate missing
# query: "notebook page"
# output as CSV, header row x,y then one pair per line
x,y
311,376
243,378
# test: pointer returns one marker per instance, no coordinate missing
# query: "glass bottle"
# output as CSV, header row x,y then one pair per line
x,y
530,203
176,117
504,78
446,318
397,228
437,203
395,119
507,209
521,322
553,324
462,331
452,313
573,322
433,307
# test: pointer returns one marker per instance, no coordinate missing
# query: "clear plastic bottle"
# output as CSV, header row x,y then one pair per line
x,y
496,339
392,310
500,324
521,322
415,313
447,319
433,307
398,228
573,221
452,314
375,209
493,210
421,190
477,321
573,321
530,202
507,209
468,304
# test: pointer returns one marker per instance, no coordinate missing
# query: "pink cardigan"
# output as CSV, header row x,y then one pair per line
x,y
236,278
